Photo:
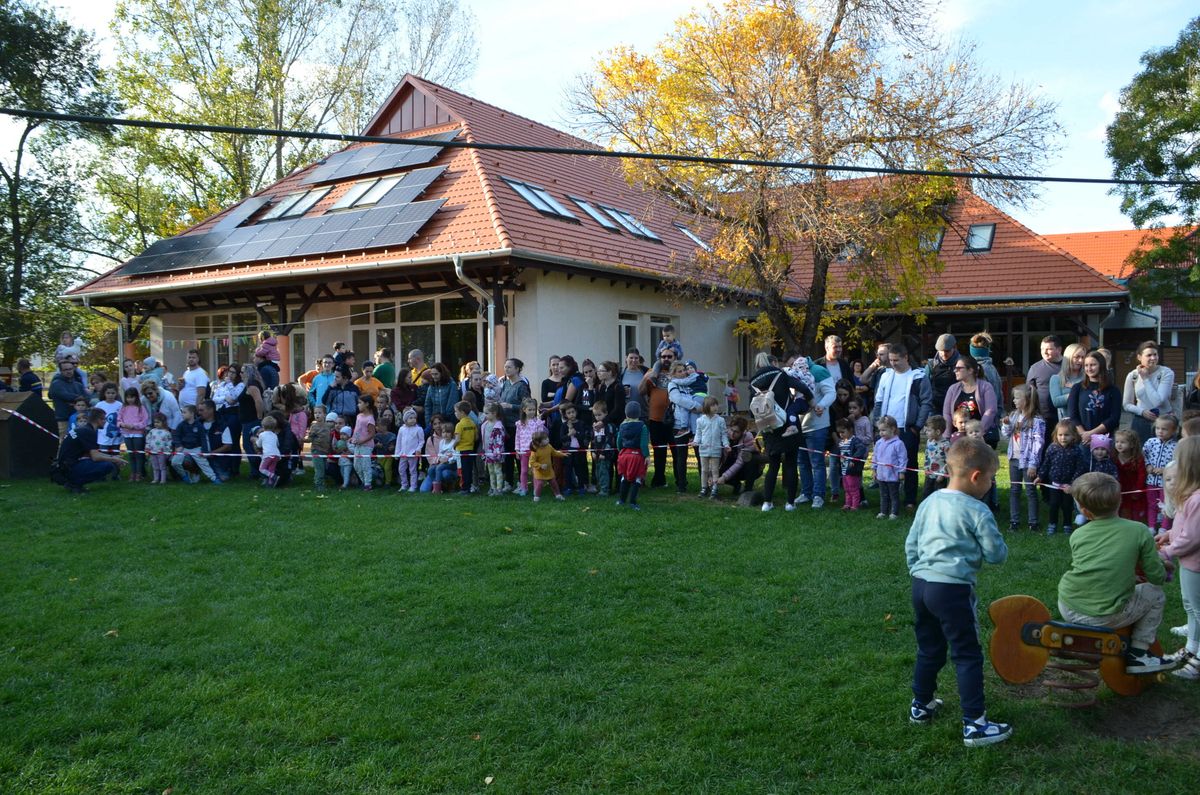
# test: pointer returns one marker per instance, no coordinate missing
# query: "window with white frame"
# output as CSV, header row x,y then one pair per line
x,y
225,338
447,330
627,333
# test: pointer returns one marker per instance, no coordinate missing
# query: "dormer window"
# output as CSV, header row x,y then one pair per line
x,y
979,237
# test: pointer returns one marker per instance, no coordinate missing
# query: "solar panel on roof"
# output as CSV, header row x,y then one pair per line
x,y
241,212
413,185
405,224
375,158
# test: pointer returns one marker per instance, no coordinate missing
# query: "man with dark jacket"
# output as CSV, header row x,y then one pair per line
x,y
66,387
342,397
217,439
832,361
940,369
81,457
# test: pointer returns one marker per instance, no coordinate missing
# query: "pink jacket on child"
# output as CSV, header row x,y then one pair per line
x,y
268,349
1184,535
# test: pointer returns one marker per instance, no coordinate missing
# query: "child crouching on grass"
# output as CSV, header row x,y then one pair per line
x,y
953,534
1101,589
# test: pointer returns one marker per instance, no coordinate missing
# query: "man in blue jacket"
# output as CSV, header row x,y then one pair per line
x,y
66,387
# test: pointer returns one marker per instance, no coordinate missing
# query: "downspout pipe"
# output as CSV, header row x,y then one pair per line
x,y
488,302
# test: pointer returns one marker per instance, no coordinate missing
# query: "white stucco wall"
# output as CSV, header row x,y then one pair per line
x,y
554,315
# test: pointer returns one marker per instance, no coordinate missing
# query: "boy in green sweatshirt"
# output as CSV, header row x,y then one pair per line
x,y
1101,589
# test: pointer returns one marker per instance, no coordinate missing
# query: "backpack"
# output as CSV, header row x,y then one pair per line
x,y
766,412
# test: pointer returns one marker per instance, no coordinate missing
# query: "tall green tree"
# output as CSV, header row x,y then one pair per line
x,y
45,64
831,82
287,64
1155,137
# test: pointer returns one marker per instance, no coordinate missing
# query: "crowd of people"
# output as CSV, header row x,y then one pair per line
x,y
818,425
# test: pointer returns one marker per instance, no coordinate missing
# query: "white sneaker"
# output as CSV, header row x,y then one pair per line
x,y
767,506
537,499
881,516
803,498
818,502
1180,631
787,506
893,517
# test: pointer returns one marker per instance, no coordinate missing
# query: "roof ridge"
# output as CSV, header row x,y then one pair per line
x,y
437,87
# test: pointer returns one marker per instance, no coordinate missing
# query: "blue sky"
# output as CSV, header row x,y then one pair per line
x,y
1079,53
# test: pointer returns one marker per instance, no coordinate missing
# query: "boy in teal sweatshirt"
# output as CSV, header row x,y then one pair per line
x,y
952,536
1100,589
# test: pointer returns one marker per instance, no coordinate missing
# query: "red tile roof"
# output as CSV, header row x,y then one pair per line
x,y
1106,251
482,213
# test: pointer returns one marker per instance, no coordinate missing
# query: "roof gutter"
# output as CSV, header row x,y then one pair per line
x,y
340,268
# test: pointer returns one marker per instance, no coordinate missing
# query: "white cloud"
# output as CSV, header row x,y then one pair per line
x,y
1109,105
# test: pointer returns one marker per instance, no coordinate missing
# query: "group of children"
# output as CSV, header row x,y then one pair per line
x,y
1115,579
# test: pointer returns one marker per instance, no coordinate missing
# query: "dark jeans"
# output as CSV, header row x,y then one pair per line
x,y
1016,474
788,460
137,458
660,434
467,464
745,477
911,441
509,464
679,460
576,469
248,430
85,470
945,615
1061,501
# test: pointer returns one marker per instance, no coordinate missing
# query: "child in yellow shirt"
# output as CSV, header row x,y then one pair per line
x,y
466,434
541,461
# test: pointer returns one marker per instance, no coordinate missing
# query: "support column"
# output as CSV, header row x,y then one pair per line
x,y
285,358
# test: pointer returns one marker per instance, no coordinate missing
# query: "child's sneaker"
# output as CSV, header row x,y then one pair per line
x,y
1033,528
818,502
1180,631
789,506
704,492
1068,529
1143,662
635,506
521,492
923,714
881,516
893,517
982,731
1190,669
1012,527
803,498
537,499
560,498
1051,529
767,507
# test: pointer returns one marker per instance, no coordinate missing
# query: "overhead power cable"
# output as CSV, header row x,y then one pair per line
x,y
574,151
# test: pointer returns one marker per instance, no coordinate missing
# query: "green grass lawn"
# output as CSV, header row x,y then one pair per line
x,y
231,639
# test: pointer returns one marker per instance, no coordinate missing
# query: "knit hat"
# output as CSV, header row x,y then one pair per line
x,y
333,418
345,431
150,362
408,413
633,410
1097,440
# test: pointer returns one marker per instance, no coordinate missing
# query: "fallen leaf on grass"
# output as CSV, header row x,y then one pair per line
x,y
584,509
488,780
467,513
581,532
168,791
112,633
508,529
593,572
475,736
73,579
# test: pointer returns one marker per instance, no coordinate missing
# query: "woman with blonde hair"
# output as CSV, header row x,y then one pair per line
x,y
1070,375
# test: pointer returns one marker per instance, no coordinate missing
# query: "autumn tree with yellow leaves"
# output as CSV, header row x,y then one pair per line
x,y
830,84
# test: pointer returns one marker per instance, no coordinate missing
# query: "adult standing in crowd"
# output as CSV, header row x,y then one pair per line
x,y
385,367
570,382
781,449
226,395
815,427
320,382
610,389
873,372
838,366
653,389
80,454
193,386
66,387
1148,389
157,400
550,382
1191,398
631,380
27,380
342,397
416,366
1069,374
973,391
906,396
940,370
981,351
441,393
251,409
1094,404
1039,376
514,389
404,395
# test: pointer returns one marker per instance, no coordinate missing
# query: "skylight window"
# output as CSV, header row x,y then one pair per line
x,y
931,241
377,191
282,206
296,204
595,214
694,237
540,199
351,196
631,223
979,237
